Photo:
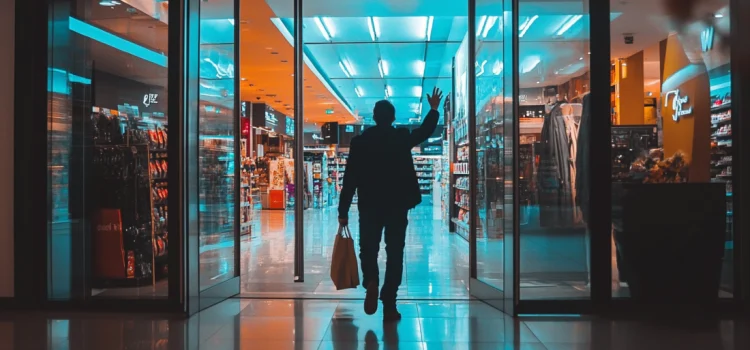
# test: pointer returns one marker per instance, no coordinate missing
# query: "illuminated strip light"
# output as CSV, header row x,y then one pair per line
x,y
374,26
231,20
526,25
323,30
430,21
481,67
383,68
488,25
480,26
358,90
419,67
568,23
417,91
388,92
349,67
343,68
114,41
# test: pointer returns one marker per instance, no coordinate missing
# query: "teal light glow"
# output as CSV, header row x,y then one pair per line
x,y
116,42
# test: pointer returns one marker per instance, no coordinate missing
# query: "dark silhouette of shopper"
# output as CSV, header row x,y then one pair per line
x,y
380,168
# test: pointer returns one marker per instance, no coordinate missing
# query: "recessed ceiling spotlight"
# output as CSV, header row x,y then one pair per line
x,y
538,82
581,59
243,79
718,15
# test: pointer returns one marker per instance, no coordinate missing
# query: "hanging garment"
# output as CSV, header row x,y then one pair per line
x,y
554,179
582,159
571,127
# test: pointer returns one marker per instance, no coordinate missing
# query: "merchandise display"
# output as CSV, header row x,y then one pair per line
x,y
129,202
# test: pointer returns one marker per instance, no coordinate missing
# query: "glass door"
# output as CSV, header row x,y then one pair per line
x,y
213,173
492,136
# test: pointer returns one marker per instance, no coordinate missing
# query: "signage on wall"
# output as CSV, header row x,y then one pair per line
x,y
150,99
678,104
289,126
271,120
707,39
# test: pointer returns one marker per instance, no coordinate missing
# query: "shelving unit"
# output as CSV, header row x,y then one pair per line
x,y
721,154
425,174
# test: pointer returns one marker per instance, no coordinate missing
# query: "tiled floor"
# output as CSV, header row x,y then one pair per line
x,y
330,324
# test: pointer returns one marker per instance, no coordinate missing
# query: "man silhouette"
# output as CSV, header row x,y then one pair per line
x,y
380,168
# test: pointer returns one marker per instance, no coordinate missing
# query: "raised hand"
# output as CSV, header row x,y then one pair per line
x,y
435,98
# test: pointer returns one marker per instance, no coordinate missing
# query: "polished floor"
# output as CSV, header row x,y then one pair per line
x,y
435,261
330,324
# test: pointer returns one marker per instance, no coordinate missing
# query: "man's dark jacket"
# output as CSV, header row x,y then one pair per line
x,y
380,168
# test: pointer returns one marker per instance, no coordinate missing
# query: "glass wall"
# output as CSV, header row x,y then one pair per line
x,y
553,61
491,134
107,150
672,151
218,127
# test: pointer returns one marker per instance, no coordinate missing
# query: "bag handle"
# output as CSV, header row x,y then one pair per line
x,y
344,231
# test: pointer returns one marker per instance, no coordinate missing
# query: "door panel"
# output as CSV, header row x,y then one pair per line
x,y
492,153
218,185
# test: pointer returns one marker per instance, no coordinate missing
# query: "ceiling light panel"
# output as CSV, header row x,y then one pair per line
x,y
401,29
401,58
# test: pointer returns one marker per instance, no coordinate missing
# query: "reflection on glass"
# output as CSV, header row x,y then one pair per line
x,y
107,156
490,143
686,123
217,123
553,80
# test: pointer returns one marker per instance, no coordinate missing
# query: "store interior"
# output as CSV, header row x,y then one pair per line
x,y
353,57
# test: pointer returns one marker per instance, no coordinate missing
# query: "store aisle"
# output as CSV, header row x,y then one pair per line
x,y
436,262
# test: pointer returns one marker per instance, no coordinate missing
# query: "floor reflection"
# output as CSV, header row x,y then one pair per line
x,y
330,324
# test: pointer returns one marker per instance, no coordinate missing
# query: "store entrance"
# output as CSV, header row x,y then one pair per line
x,y
347,68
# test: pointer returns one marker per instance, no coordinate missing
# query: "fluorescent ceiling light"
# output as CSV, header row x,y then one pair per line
x,y
323,30
569,22
383,67
419,66
481,67
231,20
430,21
529,63
526,25
497,67
417,91
114,41
109,3
371,27
374,26
328,23
349,67
388,92
480,25
488,25
358,90
343,69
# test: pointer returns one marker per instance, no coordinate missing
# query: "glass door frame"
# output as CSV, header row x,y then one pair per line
x,y
505,299
193,299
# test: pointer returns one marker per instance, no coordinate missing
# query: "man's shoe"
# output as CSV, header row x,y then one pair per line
x,y
391,314
371,298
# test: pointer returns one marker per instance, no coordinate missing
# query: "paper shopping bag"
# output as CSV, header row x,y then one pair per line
x,y
344,269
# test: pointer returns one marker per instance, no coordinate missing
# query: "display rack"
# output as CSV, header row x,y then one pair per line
x,y
721,153
129,200
425,174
